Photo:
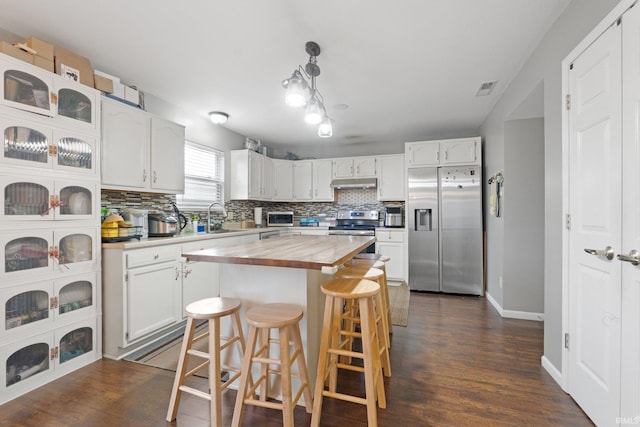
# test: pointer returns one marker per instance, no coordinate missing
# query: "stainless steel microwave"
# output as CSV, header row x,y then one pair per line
x,y
280,219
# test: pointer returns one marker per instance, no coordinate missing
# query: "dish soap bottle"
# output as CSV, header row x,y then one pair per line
x,y
188,229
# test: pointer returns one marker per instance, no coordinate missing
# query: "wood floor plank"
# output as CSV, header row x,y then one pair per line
x,y
457,363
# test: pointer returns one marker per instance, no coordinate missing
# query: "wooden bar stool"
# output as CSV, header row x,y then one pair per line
x,y
381,308
263,318
333,346
211,309
379,263
375,257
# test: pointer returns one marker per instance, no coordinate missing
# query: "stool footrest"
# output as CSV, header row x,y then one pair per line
x,y
196,369
229,342
198,353
345,353
348,398
264,403
266,360
195,392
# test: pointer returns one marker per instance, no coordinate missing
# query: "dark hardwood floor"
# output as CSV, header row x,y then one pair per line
x,y
457,363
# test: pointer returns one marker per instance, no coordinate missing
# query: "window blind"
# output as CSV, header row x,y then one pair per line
x,y
203,176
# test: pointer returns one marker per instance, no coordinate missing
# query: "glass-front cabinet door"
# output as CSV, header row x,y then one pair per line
x,y
27,199
27,253
76,200
75,297
74,152
27,362
77,249
75,343
26,309
26,142
76,104
28,89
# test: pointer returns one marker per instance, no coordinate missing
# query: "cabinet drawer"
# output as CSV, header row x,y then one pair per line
x,y
389,236
152,256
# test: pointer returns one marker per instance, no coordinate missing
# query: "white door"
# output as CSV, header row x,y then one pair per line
x,y
630,375
594,206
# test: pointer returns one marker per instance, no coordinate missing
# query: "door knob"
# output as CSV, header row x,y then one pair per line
x,y
633,257
606,252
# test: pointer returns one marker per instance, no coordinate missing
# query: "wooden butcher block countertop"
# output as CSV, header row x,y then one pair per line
x,y
310,252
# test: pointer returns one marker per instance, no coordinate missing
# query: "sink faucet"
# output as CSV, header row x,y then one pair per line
x,y
224,214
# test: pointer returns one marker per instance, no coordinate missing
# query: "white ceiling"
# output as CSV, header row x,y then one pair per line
x,y
407,69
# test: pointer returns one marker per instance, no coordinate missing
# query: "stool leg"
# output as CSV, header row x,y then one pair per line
x,y
383,336
172,412
385,295
245,378
265,337
214,372
285,377
369,355
302,368
322,361
335,343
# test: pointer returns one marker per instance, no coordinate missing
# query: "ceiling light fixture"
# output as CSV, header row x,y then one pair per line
x,y
218,117
299,93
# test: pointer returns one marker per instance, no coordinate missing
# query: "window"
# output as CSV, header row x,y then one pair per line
x,y
203,177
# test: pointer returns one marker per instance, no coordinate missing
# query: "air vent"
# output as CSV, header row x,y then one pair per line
x,y
486,88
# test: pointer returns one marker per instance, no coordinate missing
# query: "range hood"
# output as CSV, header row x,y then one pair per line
x,y
354,183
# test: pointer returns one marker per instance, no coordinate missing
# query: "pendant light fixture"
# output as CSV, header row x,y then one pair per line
x,y
299,93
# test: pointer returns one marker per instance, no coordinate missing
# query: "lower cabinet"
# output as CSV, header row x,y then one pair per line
x,y
391,244
35,361
146,290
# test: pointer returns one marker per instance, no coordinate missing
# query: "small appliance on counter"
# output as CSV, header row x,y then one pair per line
x,y
137,218
280,219
162,225
394,217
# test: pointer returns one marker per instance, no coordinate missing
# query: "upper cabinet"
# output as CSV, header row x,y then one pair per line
x,y
139,151
251,176
302,180
463,151
354,167
282,182
391,183
30,88
322,176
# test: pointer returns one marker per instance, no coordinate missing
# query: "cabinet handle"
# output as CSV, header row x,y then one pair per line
x,y
177,274
437,155
156,256
144,175
155,176
186,273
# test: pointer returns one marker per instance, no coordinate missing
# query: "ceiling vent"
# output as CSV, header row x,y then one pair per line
x,y
486,88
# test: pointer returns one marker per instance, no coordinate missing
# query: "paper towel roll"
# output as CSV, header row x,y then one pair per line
x,y
257,216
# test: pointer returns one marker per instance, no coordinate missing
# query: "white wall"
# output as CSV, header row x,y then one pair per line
x,y
544,65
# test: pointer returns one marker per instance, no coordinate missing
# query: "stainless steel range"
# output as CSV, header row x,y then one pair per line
x,y
356,223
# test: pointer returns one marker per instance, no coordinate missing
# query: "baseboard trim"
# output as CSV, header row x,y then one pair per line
x,y
512,314
552,370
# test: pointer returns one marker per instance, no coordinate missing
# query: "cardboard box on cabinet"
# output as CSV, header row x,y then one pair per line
x,y
73,66
11,50
43,63
103,83
42,48
117,86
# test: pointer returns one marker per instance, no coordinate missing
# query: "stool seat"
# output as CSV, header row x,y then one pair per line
x,y
360,272
210,308
370,262
383,258
276,315
350,288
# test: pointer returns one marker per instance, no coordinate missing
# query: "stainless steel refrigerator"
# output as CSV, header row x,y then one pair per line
x,y
445,229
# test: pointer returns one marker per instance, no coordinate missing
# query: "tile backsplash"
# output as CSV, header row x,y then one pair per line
x,y
348,199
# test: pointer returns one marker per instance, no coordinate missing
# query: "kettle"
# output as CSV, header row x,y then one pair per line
x,y
182,220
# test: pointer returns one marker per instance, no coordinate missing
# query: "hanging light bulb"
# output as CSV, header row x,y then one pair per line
x,y
296,88
315,111
325,130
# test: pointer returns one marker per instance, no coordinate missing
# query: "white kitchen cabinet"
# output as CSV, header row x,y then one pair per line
x,y
322,176
391,178
34,198
167,156
37,359
199,279
282,180
302,180
355,167
139,151
462,151
49,227
35,141
391,244
251,176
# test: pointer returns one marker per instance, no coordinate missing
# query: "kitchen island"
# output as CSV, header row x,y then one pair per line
x,y
288,270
